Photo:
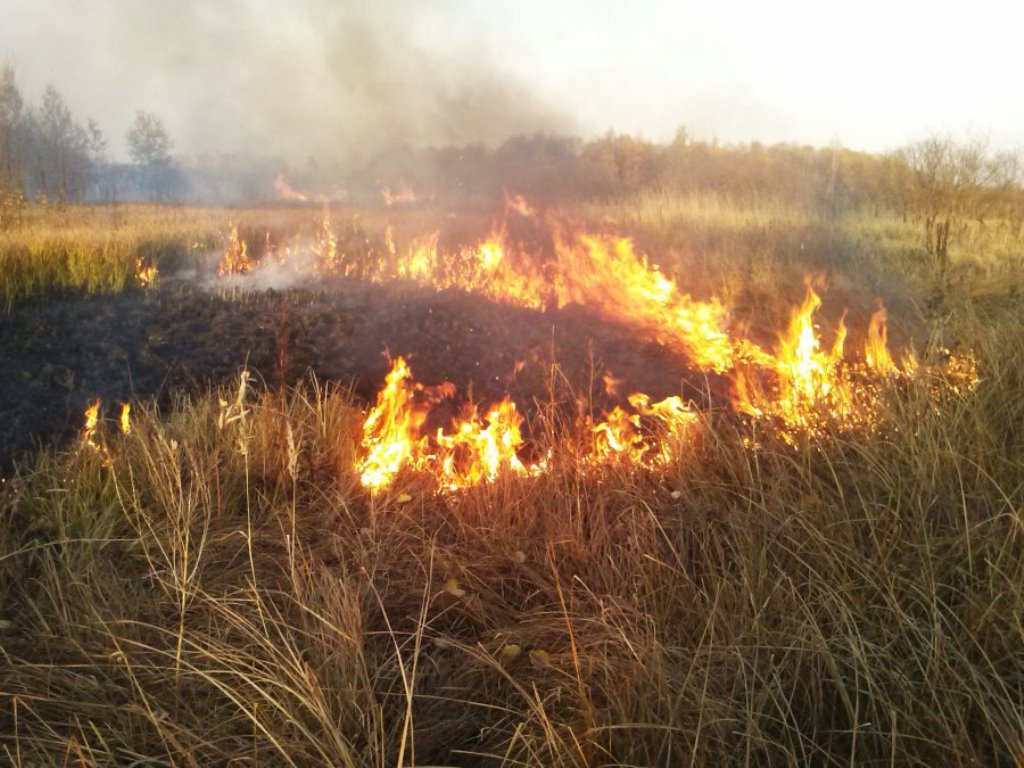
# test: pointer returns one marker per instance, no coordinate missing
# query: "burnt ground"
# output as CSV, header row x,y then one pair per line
x,y
60,354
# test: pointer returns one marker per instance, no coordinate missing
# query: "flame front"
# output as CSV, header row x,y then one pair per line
x,y
802,386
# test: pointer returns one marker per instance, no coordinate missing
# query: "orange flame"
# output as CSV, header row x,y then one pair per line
x,y
482,446
236,259
92,416
478,449
326,246
648,437
601,271
876,349
145,273
391,431
125,420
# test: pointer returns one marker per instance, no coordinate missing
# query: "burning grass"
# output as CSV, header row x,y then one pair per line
x,y
216,585
829,569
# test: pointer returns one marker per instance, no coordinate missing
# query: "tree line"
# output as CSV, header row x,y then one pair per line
x,y
46,153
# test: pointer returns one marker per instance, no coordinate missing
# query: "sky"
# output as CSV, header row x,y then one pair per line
x,y
319,78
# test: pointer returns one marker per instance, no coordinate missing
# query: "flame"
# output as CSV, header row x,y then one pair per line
x,y
286,191
813,386
125,420
478,448
801,386
326,246
482,446
602,271
391,431
145,273
650,436
236,259
876,350
518,204
92,416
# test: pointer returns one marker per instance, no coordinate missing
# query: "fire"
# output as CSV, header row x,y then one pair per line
x,y
814,385
92,416
602,271
145,273
478,448
482,446
876,349
326,246
125,420
391,431
607,272
286,191
807,381
236,259
650,436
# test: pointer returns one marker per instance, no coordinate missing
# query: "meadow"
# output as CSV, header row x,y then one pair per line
x,y
215,587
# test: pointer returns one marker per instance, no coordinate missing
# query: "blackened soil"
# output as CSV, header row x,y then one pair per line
x,y
58,355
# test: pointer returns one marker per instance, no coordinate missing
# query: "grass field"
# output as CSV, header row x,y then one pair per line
x,y
216,587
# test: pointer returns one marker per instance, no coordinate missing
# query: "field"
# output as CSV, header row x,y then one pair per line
x,y
213,582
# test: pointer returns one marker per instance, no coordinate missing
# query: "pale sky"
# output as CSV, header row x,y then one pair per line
x,y
311,76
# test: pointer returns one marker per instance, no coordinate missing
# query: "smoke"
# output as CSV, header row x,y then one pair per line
x,y
333,81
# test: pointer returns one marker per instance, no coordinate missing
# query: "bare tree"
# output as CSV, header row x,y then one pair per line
x,y
952,183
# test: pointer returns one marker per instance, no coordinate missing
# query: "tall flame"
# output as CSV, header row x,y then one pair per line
x,y
876,348
235,260
391,431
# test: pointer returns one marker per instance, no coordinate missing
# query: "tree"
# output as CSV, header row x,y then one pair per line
x,y
951,183
61,149
10,126
149,145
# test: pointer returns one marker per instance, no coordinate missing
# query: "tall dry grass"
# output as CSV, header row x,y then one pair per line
x,y
215,588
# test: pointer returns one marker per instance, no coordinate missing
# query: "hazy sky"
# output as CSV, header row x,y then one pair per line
x,y
314,77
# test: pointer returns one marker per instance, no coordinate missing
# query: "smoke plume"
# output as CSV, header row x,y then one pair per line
x,y
334,81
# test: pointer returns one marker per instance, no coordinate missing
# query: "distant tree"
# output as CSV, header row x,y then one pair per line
x,y
952,183
61,146
11,105
149,145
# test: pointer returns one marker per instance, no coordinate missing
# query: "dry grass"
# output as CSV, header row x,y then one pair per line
x,y
215,588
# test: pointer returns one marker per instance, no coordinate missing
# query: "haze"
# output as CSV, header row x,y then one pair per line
x,y
316,78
